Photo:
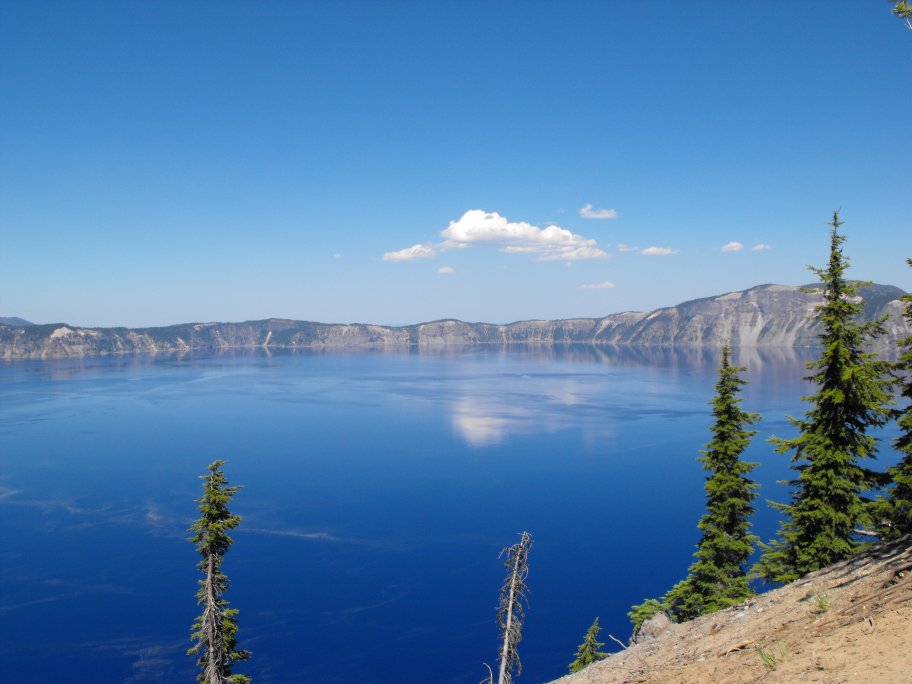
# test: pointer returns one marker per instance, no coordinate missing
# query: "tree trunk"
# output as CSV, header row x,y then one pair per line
x,y
505,649
213,671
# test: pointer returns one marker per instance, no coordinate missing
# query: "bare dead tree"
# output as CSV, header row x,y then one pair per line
x,y
513,602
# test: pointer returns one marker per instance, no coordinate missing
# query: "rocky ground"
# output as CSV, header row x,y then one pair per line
x,y
851,622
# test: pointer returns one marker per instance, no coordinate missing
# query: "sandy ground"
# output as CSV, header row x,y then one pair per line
x,y
851,622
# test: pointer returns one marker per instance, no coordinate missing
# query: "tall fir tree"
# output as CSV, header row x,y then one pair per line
x,y
718,578
893,514
588,651
852,396
215,630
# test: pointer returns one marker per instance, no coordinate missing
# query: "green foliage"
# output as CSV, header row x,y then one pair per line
x,y
893,515
718,578
902,9
643,611
822,602
588,651
770,658
215,630
852,396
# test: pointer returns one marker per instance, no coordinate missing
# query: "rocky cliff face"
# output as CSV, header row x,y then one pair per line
x,y
767,315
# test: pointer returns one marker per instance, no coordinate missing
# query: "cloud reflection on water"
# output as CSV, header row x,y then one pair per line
x,y
520,404
485,413
484,425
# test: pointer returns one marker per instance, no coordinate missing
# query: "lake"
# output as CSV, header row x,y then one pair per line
x,y
379,489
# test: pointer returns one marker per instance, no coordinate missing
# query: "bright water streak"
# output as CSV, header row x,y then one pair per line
x,y
379,489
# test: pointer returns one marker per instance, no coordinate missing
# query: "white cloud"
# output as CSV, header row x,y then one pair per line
x,y
446,270
657,251
337,255
598,286
760,247
518,237
410,253
588,212
573,254
732,247
481,228
627,248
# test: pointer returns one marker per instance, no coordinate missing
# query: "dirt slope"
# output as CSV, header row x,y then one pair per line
x,y
851,622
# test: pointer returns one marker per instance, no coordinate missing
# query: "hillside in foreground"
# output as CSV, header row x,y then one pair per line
x,y
851,622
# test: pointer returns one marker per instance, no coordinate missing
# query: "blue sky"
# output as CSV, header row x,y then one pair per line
x,y
167,162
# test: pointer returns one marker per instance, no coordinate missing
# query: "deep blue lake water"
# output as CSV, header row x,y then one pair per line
x,y
379,490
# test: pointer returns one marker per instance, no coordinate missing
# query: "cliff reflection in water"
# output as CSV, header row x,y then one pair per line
x,y
484,413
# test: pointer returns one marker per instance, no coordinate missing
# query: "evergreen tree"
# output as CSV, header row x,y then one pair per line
x,y
718,579
215,630
893,514
852,394
588,651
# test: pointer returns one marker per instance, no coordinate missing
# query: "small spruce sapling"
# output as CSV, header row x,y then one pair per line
x,y
588,651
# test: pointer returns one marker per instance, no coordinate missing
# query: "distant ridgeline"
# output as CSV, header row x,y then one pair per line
x,y
766,315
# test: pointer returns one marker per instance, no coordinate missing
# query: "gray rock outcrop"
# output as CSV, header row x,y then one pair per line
x,y
653,628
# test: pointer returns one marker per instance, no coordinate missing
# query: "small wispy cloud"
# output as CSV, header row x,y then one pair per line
x,y
732,247
760,247
58,590
657,251
348,612
588,212
477,228
296,534
337,255
152,664
9,496
411,253
446,270
607,285
627,248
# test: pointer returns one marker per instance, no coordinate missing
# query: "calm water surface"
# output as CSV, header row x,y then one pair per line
x,y
379,490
